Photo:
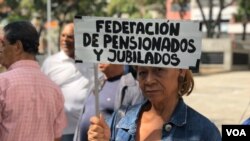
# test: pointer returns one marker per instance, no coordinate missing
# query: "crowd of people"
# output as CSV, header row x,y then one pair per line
x,y
56,101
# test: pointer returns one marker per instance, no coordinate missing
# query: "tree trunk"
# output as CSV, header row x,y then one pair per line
x,y
245,19
210,20
202,13
244,31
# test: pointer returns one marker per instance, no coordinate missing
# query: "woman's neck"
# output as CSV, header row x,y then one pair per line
x,y
164,109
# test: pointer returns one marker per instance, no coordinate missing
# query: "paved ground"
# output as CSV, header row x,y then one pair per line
x,y
222,97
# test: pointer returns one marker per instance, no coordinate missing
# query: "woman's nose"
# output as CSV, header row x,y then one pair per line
x,y
150,77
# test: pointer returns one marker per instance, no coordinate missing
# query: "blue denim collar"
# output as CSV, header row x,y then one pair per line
x,y
179,117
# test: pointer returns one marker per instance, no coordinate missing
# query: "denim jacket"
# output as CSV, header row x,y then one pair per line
x,y
246,122
185,124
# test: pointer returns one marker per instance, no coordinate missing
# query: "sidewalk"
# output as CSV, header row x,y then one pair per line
x,y
223,97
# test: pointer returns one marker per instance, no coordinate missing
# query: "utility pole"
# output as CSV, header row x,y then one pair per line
x,y
49,45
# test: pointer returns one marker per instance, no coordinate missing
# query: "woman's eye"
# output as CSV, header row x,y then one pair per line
x,y
141,73
159,70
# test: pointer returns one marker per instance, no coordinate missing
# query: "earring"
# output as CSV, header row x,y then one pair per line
x,y
181,81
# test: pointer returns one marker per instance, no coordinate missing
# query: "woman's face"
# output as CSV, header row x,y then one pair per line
x,y
159,84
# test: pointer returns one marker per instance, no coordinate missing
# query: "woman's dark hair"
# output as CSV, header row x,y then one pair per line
x,y
25,32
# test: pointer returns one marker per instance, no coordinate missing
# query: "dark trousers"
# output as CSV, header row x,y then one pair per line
x,y
68,137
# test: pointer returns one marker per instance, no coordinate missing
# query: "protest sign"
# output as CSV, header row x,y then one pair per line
x,y
146,42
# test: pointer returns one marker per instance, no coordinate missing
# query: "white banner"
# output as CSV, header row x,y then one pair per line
x,y
147,42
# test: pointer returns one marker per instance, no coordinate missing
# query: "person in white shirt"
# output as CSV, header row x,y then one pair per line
x,y
73,77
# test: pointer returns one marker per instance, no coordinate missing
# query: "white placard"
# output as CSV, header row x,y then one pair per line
x,y
147,42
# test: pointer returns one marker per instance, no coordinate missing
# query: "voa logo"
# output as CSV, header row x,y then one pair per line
x,y
236,132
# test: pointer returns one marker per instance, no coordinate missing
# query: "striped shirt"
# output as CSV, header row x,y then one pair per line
x,y
31,105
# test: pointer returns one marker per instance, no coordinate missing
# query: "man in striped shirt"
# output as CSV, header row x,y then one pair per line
x,y
31,105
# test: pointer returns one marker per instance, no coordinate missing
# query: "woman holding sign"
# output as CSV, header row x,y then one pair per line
x,y
163,116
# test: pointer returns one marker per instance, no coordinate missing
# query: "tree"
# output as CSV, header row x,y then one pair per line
x,y
61,10
6,7
209,23
135,8
243,15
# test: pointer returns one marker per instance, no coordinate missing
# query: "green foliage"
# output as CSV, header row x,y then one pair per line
x,y
61,9
7,4
16,17
121,6
65,10
20,9
91,8
135,8
12,3
243,10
